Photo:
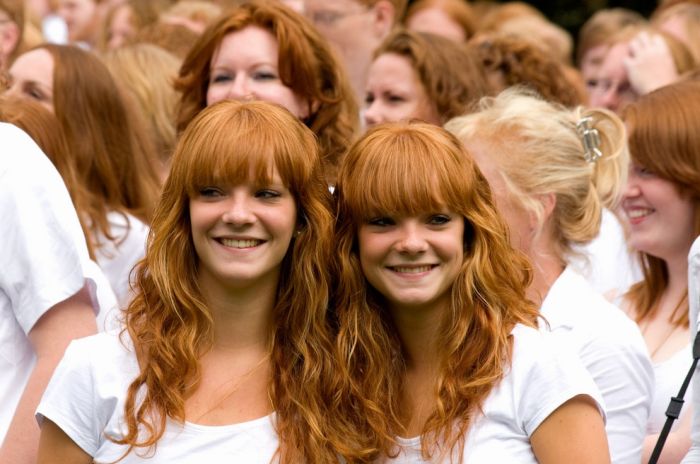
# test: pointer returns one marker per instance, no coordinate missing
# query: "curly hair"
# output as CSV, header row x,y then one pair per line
x,y
513,61
306,65
664,137
452,76
168,320
385,172
551,159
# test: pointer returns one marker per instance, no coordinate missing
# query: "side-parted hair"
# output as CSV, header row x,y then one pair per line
x,y
169,321
42,126
458,11
664,138
306,65
451,75
408,169
538,151
113,156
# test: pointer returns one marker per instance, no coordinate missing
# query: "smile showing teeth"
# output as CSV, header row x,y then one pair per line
x,y
637,213
231,243
411,270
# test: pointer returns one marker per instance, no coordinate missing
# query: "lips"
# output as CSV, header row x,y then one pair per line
x,y
412,269
239,243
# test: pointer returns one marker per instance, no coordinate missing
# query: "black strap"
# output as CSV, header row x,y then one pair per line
x,y
676,404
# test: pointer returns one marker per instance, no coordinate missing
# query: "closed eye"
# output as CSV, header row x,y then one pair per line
x,y
267,194
210,192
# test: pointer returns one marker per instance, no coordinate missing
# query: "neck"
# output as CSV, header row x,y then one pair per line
x,y
242,317
547,268
677,280
418,330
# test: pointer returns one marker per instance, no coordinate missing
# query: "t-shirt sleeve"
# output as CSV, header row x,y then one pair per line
x,y
547,376
69,399
42,243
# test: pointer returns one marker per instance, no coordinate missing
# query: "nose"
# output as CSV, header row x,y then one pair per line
x,y
411,240
610,99
631,188
238,211
239,89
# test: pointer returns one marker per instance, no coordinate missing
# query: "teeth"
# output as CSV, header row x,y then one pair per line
x,y
637,213
240,243
411,270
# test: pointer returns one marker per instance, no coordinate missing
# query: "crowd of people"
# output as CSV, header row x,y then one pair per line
x,y
347,231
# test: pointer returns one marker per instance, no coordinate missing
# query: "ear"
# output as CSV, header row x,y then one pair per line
x,y
384,15
549,202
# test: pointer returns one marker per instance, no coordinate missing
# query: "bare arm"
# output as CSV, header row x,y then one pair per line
x,y
55,447
677,442
72,318
574,433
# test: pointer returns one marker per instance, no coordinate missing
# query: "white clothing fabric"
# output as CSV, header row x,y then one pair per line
x,y
86,396
613,351
693,456
117,258
669,376
42,251
542,377
108,317
607,262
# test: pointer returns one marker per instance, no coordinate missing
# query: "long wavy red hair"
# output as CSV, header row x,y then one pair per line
x,y
168,319
409,169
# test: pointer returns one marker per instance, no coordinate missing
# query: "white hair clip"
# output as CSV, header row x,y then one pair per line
x,y
590,139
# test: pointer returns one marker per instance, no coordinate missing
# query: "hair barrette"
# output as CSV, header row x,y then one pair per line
x,y
590,139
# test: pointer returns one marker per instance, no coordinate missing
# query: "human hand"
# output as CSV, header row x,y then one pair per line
x,y
649,64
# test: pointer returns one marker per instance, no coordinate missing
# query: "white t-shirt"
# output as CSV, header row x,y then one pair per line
x,y
542,378
613,351
693,456
608,263
86,395
669,377
42,251
117,258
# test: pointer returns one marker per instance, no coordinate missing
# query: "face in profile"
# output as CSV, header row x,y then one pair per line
x,y
412,260
395,93
241,233
31,76
660,218
246,67
521,224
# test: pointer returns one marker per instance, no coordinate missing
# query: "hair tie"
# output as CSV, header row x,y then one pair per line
x,y
590,139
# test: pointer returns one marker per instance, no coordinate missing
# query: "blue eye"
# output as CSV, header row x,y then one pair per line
x,y
439,219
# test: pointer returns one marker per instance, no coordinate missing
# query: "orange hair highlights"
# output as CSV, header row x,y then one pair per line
x,y
664,137
407,169
306,65
168,320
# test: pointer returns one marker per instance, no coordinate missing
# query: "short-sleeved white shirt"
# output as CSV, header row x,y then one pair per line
x,y
86,396
613,351
542,377
42,249
693,456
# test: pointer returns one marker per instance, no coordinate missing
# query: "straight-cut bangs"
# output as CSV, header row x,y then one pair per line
x,y
428,181
231,142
